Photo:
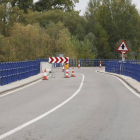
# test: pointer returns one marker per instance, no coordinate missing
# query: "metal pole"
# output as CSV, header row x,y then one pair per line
x,y
52,71
64,72
122,56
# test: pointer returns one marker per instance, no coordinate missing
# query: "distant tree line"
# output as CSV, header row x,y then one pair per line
x,y
38,30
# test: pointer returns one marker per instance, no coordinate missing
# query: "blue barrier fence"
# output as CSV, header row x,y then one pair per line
x,y
83,62
14,71
128,68
88,62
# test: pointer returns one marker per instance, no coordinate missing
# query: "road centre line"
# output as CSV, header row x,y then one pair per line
x,y
127,86
43,115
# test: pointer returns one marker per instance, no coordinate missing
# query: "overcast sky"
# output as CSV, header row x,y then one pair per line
x,y
83,4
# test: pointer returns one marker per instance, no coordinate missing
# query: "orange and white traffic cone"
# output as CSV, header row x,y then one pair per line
x,y
79,64
100,65
72,74
45,75
63,69
67,73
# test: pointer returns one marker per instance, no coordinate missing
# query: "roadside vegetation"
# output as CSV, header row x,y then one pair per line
x,y
46,28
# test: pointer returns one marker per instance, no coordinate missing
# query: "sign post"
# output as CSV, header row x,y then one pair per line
x,y
123,57
52,71
58,60
123,49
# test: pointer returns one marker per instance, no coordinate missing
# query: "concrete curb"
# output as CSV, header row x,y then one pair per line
x,y
11,89
121,79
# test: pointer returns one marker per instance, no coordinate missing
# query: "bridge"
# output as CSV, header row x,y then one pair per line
x,y
97,104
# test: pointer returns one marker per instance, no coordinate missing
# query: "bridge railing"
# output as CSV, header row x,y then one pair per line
x,y
83,62
129,68
14,71
88,62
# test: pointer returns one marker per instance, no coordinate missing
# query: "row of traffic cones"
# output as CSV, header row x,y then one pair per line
x,y
100,66
67,73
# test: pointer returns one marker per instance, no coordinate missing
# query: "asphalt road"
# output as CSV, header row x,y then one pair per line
x,y
103,109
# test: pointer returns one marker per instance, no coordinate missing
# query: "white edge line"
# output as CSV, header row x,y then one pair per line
x,y
43,115
21,88
127,86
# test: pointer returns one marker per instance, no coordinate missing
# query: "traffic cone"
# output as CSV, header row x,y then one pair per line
x,y
63,69
45,75
100,65
67,73
79,65
72,74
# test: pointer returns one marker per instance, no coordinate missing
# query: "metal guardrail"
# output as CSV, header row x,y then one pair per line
x,y
83,62
14,71
129,68
88,62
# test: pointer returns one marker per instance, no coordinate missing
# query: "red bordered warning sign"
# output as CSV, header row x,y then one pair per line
x,y
58,59
123,47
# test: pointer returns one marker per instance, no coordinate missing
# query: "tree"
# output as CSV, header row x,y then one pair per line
x,y
86,50
65,5
4,1
60,40
92,38
113,19
5,21
28,43
4,51
23,4
8,16
75,23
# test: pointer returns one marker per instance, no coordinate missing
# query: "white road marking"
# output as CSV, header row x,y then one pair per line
x,y
43,115
138,95
127,86
20,89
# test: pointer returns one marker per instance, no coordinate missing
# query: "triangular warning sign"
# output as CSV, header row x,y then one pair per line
x,y
123,47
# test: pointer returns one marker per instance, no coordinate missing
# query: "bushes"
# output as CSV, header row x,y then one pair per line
x,y
31,42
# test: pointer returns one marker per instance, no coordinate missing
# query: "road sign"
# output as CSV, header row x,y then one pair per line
x,y
58,59
66,66
123,47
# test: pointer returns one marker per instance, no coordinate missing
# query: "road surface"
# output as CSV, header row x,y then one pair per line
x,y
90,106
